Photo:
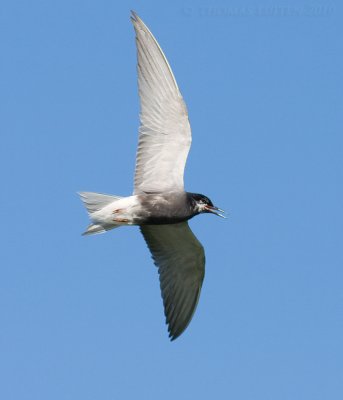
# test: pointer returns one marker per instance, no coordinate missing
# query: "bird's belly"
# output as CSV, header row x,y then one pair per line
x,y
163,219
158,214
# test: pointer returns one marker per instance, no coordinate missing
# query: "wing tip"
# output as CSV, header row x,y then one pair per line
x,y
135,18
172,338
175,333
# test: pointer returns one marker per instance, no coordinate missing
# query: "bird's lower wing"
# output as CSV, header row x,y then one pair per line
x,y
180,259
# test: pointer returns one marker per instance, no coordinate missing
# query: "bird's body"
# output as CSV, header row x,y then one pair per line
x,y
142,209
159,204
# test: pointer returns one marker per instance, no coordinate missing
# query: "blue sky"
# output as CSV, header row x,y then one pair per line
x,y
81,317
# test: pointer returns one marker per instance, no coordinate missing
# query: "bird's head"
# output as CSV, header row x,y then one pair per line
x,y
203,204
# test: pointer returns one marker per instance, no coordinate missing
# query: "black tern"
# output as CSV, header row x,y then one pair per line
x,y
159,205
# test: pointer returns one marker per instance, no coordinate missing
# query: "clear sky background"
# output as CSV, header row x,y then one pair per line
x,y
82,317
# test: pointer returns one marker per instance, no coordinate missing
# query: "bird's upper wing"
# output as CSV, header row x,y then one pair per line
x,y
164,133
180,259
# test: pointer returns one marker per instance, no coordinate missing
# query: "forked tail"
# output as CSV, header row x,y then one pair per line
x,y
95,202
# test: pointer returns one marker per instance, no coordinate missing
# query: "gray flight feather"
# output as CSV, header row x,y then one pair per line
x,y
180,259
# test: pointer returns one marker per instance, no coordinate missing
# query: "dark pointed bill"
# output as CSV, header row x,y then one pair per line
x,y
214,210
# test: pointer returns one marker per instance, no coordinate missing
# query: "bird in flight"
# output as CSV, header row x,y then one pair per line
x,y
159,205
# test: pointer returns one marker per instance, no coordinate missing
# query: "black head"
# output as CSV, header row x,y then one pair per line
x,y
202,204
201,199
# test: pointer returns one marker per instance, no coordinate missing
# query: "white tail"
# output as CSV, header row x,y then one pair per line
x,y
95,202
93,229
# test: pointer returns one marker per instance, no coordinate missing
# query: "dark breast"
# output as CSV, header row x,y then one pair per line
x,y
167,208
